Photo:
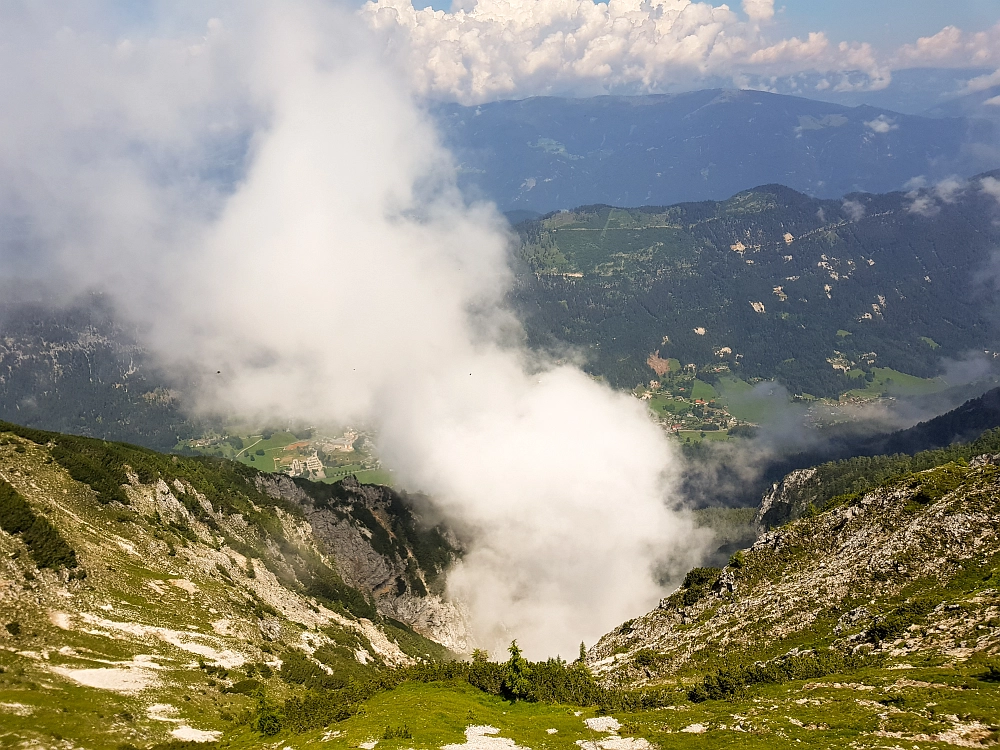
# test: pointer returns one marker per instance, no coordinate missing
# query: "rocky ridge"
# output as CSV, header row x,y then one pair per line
x,y
188,594
912,567
400,586
785,501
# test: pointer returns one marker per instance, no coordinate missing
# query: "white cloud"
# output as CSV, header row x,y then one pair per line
x,y
923,205
855,210
991,186
338,276
490,49
882,124
951,47
949,189
926,201
981,83
493,49
759,10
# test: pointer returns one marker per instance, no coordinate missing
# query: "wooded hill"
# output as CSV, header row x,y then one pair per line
x,y
768,284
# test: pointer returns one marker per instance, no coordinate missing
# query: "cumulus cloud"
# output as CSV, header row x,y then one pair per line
x,y
926,201
491,49
923,205
759,10
981,83
950,188
951,47
264,198
921,202
882,125
991,186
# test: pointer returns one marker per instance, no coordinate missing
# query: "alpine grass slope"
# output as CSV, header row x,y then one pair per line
x,y
147,597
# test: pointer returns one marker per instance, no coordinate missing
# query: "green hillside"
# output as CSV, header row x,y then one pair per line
x,y
875,615
827,297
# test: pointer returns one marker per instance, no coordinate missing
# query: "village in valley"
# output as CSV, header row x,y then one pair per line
x,y
310,453
711,403
690,407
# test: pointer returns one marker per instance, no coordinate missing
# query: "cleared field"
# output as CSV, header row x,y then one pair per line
x,y
744,403
703,390
889,382
696,436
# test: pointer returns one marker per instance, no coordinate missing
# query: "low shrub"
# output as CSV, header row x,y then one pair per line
x,y
896,622
244,687
732,680
397,733
647,658
44,543
551,681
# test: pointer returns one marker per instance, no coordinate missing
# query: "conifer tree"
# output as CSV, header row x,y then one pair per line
x,y
517,675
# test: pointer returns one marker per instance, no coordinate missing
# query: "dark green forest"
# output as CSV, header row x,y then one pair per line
x,y
769,284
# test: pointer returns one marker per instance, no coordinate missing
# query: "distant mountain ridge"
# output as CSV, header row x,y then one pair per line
x,y
963,424
843,455
549,153
852,466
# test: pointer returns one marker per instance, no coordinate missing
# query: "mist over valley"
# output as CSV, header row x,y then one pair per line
x,y
531,375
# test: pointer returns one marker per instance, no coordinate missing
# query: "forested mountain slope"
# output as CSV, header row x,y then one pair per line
x,y
885,458
769,284
954,433
817,294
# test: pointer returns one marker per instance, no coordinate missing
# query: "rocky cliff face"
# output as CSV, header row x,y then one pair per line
x,y
786,500
377,541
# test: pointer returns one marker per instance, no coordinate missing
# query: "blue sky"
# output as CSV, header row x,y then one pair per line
x,y
883,23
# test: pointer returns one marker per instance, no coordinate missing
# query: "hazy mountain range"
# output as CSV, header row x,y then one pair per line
x,y
549,153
